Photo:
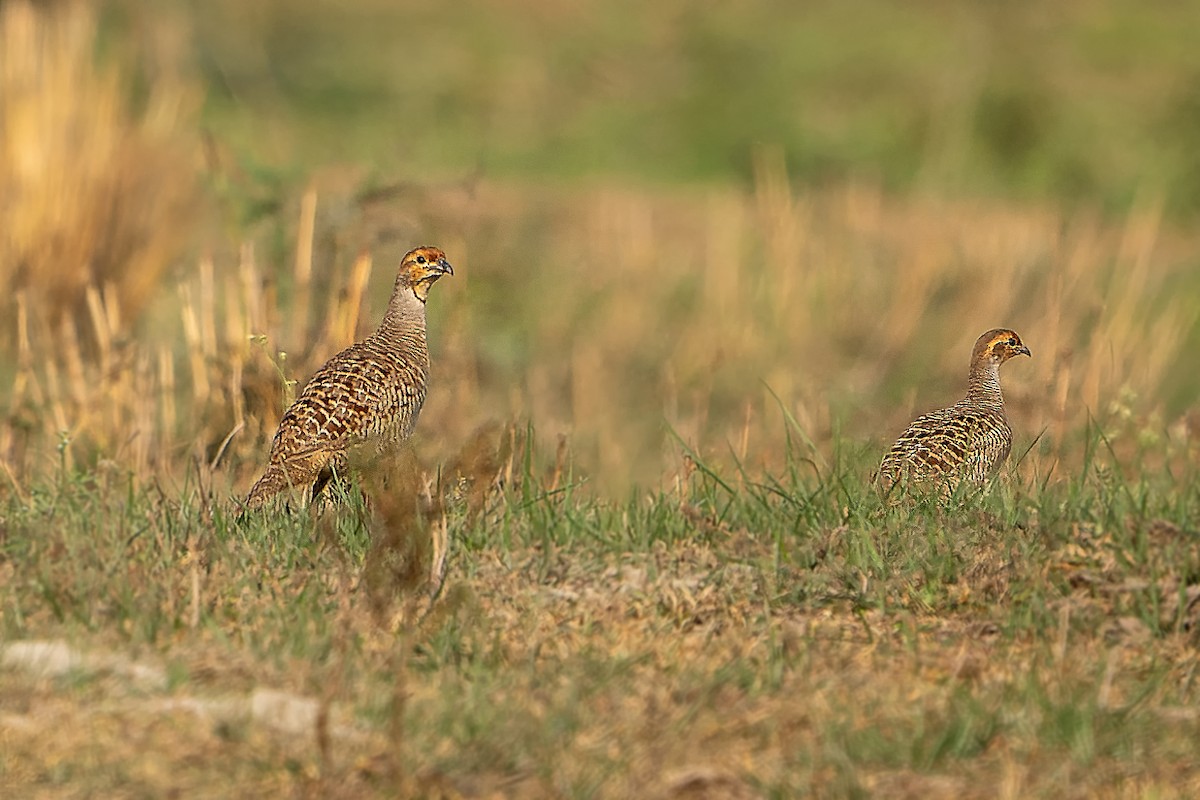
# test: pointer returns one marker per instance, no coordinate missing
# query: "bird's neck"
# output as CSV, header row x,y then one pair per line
x,y
405,313
983,385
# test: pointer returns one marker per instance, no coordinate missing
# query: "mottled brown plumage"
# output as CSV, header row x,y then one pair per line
x,y
967,441
370,392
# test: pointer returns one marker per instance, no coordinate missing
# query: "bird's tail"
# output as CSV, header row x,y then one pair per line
x,y
273,481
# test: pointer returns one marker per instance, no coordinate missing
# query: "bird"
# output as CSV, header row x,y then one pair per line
x,y
371,392
966,442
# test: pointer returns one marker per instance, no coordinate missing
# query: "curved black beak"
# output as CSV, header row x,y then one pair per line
x,y
444,266
1022,350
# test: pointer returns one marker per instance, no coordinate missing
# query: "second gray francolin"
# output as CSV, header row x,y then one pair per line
x,y
371,392
966,442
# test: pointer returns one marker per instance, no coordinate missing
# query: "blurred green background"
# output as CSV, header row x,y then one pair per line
x,y
1094,101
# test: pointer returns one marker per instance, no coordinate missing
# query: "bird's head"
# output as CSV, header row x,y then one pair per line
x,y
421,267
997,346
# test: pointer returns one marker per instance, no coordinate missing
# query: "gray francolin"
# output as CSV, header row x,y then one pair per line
x,y
966,442
371,392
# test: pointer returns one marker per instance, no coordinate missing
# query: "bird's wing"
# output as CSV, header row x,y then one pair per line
x,y
338,402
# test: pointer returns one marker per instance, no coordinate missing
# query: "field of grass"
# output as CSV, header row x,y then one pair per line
x,y
776,636
656,402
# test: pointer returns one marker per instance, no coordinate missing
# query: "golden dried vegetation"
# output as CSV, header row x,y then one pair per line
x,y
715,316
98,178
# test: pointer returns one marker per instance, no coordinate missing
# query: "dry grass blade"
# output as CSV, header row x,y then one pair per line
x,y
405,565
98,189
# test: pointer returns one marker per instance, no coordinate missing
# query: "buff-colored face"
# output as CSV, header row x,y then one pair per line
x,y
421,268
1000,345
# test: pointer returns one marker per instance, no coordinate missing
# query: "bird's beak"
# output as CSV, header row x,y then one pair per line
x,y
444,266
1022,350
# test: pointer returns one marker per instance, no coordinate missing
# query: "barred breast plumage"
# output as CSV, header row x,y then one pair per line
x,y
967,441
370,392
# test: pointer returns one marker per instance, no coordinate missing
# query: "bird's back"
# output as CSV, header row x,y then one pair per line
x,y
372,389
966,441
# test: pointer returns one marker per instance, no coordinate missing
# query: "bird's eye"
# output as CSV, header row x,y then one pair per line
x,y
1012,341
420,259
